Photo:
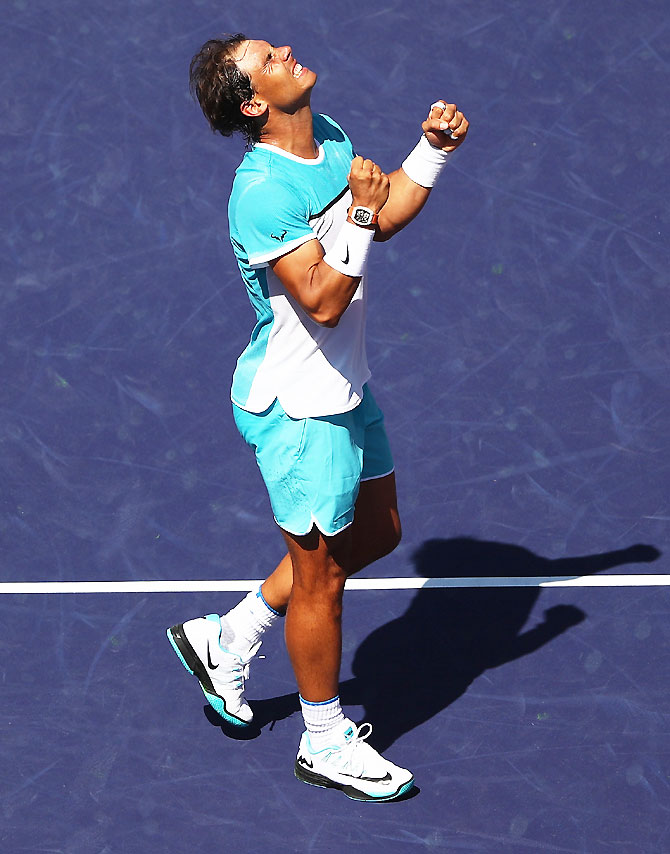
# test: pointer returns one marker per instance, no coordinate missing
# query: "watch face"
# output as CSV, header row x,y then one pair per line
x,y
361,216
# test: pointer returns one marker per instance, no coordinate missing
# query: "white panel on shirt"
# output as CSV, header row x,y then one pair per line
x,y
314,370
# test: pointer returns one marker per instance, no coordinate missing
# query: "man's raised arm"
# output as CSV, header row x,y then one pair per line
x,y
443,132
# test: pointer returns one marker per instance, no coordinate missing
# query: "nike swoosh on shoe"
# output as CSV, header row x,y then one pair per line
x,y
210,664
385,779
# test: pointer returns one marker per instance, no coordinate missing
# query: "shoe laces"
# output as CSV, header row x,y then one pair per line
x,y
352,754
235,668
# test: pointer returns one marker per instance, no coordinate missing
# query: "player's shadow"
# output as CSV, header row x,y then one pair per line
x,y
416,665
413,667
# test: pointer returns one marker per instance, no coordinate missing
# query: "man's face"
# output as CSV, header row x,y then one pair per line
x,y
276,77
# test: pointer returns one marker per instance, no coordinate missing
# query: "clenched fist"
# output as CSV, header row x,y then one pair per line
x,y
446,126
368,184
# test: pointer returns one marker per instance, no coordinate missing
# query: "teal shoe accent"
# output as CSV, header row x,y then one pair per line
x,y
188,657
219,707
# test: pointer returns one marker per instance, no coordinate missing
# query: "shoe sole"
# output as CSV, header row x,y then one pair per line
x,y
314,779
189,658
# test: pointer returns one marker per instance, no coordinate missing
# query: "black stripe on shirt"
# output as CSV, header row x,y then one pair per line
x,y
330,204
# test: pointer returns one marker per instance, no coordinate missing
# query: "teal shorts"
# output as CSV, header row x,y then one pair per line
x,y
313,467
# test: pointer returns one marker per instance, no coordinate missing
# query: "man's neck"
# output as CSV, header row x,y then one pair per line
x,y
292,132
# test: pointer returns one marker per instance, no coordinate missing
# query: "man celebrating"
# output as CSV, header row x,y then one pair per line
x,y
303,214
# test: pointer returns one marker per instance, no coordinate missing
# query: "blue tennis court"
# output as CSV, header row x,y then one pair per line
x,y
514,651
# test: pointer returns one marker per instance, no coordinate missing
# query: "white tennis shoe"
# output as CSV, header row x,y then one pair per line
x,y
352,766
221,673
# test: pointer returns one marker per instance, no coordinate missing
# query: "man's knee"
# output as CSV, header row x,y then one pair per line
x,y
393,538
320,564
377,544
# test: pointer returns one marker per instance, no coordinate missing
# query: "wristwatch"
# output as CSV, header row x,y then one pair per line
x,y
363,216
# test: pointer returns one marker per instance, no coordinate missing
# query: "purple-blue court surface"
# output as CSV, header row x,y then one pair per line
x,y
513,652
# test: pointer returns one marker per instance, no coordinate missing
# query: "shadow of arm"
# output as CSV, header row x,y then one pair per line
x,y
556,621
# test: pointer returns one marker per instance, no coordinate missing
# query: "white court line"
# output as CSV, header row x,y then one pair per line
x,y
410,583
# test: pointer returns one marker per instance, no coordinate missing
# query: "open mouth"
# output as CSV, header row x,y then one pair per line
x,y
297,69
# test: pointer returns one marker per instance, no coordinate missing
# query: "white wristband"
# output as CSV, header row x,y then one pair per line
x,y
349,253
424,164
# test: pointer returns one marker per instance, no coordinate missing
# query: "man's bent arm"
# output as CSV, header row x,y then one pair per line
x,y
321,291
405,201
324,284
444,130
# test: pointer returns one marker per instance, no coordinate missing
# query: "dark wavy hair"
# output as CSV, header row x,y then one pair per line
x,y
221,88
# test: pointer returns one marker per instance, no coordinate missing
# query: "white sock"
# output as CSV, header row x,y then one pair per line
x,y
321,719
244,625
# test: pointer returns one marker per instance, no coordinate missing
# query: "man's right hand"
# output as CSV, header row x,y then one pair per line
x,y
368,184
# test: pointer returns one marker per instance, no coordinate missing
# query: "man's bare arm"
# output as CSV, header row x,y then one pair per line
x,y
445,129
323,291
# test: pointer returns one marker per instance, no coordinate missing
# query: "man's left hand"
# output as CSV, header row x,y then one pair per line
x,y
446,127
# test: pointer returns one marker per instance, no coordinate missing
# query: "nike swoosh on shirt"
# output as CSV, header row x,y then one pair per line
x,y
346,257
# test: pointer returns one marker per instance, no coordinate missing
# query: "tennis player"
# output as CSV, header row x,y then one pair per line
x,y
304,212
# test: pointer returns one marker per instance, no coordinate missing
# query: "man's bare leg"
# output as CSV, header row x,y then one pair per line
x,y
324,563
313,628
375,532
333,749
